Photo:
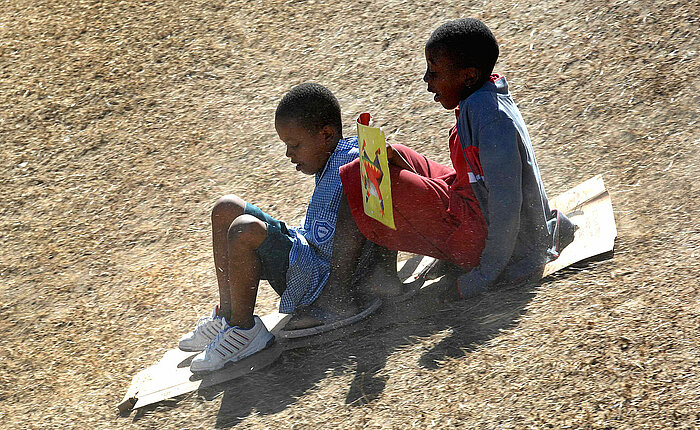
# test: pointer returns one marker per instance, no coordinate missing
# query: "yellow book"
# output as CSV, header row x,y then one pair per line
x,y
374,171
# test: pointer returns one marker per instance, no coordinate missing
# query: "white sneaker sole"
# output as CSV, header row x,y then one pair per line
x,y
192,348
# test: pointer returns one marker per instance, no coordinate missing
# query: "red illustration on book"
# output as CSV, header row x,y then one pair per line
x,y
373,177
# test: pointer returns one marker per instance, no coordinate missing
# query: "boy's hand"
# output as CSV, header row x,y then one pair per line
x,y
466,287
395,158
391,154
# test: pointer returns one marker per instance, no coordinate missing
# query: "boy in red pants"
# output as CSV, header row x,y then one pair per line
x,y
488,213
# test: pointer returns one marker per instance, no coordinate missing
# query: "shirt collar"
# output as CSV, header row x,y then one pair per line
x,y
343,145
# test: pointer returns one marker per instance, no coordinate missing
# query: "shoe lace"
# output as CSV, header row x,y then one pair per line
x,y
203,321
200,323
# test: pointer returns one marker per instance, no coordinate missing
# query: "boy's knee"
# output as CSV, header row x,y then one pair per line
x,y
351,169
227,208
403,149
248,230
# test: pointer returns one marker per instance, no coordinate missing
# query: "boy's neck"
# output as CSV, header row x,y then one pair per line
x,y
337,137
330,149
474,88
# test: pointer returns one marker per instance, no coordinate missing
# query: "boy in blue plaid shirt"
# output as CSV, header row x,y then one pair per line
x,y
250,245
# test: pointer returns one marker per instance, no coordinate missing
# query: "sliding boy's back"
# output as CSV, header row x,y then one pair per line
x,y
523,232
488,213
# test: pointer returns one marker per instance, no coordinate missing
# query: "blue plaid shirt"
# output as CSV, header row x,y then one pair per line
x,y
310,257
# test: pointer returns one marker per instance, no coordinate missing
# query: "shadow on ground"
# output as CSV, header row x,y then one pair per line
x,y
364,351
364,348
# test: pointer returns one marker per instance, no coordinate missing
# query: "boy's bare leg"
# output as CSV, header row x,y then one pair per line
x,y
225,211
337,294
383,280
245,235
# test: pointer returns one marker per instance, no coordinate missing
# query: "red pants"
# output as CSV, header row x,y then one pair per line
x,y
433,216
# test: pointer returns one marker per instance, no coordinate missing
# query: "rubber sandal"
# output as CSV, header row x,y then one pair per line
x,y
330,320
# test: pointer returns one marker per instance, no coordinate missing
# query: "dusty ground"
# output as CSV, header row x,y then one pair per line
x,y
121,123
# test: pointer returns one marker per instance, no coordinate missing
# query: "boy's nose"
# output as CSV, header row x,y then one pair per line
x,y
425,76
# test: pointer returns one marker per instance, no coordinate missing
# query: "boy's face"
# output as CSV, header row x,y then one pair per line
x,y
449,83
308,150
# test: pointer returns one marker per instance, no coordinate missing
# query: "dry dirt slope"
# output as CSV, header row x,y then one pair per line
x,y
121,122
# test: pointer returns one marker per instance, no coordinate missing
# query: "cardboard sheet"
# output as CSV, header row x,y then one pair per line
x,y
588,205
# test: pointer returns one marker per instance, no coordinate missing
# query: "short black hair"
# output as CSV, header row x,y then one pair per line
x,y
313,106
468,42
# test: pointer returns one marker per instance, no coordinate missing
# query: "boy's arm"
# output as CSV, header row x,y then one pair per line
x,y
500,161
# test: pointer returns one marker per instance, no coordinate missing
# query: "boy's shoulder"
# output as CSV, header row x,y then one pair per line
x,y
492,102
347,143
346,149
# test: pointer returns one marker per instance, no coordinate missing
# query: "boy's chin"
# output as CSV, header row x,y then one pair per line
x,y
446,104
449,106
304,170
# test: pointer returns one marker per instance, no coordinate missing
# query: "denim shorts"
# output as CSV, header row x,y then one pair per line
x,y
274,251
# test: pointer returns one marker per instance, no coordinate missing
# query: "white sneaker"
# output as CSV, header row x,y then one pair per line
x,y
232,344
206,330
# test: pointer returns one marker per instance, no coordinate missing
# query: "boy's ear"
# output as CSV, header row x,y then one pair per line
x,y
328,132
471,75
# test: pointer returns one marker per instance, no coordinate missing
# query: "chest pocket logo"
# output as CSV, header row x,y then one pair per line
x,y
322,231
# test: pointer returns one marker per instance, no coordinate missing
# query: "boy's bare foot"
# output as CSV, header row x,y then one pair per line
x,y
322,311
383,282
302,320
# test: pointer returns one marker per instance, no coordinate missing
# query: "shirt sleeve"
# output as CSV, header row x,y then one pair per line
x,y
502,167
